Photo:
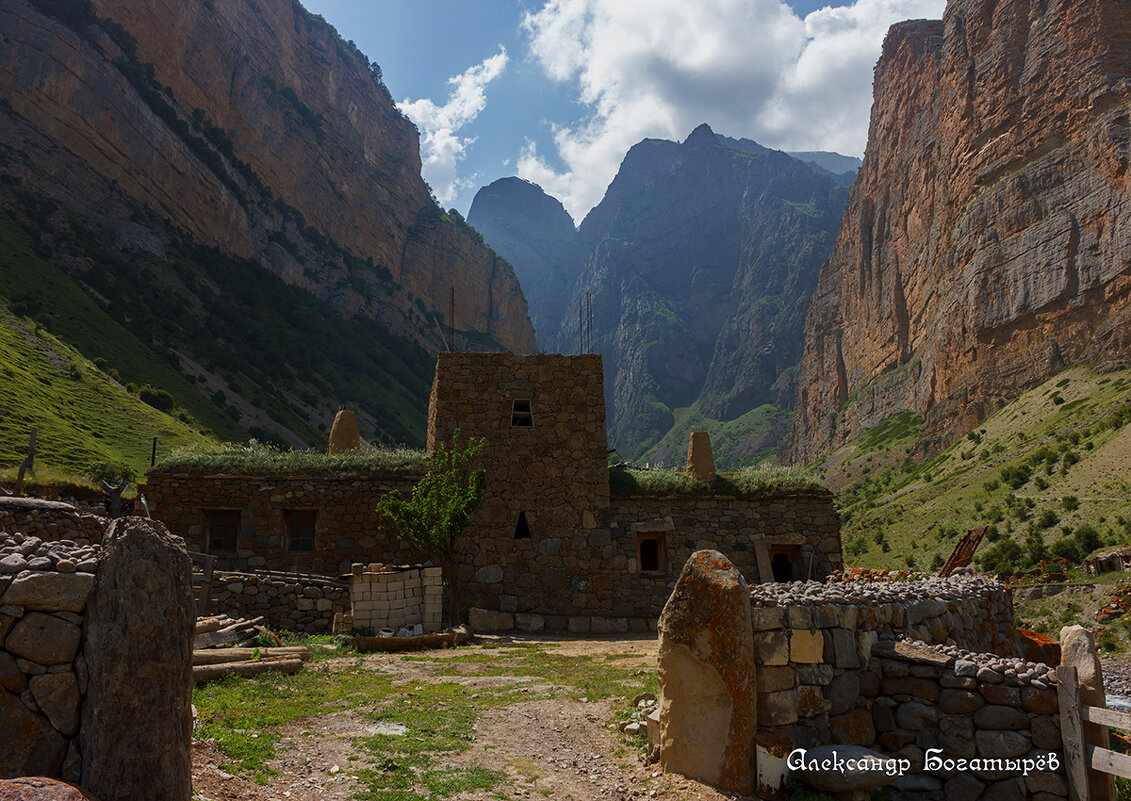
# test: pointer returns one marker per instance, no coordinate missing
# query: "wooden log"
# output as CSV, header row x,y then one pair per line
x,y
243,625
214,639
202,673
219,656
207,624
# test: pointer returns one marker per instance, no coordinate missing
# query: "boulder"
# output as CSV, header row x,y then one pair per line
x,y
57,592
708,716
58,696
45,639
139,645
37,788
30,746
344,434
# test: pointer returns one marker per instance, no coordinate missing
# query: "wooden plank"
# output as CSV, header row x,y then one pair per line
x,y
1072,733
1106,717
1107,761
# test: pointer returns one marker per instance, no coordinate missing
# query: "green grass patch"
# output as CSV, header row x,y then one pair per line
x,y
751,481
256,457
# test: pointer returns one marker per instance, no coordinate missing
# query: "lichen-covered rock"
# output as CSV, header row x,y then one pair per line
x,y
708,716
139,646
40,789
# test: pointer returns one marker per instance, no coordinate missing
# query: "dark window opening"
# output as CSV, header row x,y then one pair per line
x,y
223,531
300,531
522,529
782,567
650,553
521,414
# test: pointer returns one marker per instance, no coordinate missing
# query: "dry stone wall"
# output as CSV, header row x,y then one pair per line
x,y
346,530
291,602
43,675
73,675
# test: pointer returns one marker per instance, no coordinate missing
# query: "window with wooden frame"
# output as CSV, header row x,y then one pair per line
x,y
223,530
521,416
300,530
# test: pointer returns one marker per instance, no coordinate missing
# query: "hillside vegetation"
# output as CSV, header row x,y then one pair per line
x,y
1050,474
85,422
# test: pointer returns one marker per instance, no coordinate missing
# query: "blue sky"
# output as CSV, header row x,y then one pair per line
x,y
556,91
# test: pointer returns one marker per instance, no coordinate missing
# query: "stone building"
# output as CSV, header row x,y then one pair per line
x,y
551,542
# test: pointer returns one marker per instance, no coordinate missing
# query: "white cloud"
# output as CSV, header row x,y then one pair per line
x,y
749,68
442,148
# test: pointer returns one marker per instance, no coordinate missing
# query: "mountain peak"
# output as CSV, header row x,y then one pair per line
x,y
702,135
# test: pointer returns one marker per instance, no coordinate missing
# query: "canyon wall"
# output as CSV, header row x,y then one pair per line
x,y
248,126
987,241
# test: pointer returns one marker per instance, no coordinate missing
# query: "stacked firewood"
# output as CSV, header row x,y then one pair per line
x,y
213,655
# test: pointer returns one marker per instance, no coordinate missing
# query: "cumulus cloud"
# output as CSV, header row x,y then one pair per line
x,y
442,148
749,68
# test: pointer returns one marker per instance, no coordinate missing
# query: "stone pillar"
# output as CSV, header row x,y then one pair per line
x,y
1078,650
344,434
700,459
709,705
137,715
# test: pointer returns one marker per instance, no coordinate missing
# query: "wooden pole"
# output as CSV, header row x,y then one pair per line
x,y
153,456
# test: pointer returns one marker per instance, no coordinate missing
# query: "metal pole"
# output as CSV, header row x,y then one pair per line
x,y
153,456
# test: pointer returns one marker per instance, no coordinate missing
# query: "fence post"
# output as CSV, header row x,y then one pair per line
x,y
1072,733
1078,651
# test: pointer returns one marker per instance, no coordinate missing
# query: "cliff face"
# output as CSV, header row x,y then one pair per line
x,y
698,262
250,127
533,232
987,242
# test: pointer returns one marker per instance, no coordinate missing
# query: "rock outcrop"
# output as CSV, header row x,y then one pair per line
x,y
987,242
250,127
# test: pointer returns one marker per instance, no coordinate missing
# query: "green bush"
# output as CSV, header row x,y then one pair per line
x,y
1070,503
157,398
1087,538
1065,549
112,473
1048,518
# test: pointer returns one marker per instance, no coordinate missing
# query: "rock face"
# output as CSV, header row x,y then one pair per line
x,y
986,242
141,133
532,231
139,645
699,262
708,715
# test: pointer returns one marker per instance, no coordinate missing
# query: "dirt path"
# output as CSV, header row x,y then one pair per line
x,y
550,746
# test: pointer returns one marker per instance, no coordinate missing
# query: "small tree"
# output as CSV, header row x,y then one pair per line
x,y
440,508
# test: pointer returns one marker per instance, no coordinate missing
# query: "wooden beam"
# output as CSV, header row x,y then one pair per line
x,y
1106,717
1108,761
1072,733
201,673
219,656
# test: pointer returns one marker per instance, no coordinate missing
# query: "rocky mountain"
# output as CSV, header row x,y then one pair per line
x,y
157,133
535,233
987,243
698,264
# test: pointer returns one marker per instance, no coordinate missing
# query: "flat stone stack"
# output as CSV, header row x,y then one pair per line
x,y
386,597
51,521
935,705
44,589
294,602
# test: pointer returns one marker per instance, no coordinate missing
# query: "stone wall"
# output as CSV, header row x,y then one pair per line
x,y
385,597
290,602
346,530
72,677
43,676
807,635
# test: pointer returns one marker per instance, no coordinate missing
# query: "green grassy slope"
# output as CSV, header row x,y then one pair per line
x,y
746,441
80,414
1050,473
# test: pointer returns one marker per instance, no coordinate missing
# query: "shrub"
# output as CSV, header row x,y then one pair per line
x,y
1070,503
1065,549
157,398
1087,538
1048,518
112,473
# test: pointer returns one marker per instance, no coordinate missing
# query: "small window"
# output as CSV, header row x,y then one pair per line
x,y
223,530
650,557
300,531
521,414
522,528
